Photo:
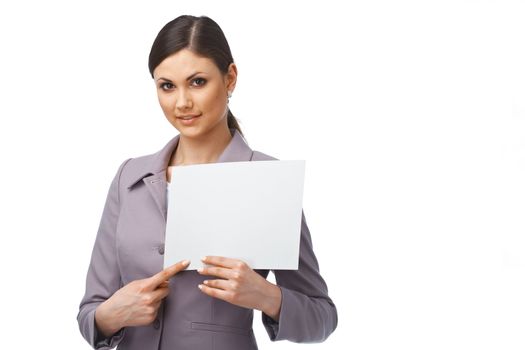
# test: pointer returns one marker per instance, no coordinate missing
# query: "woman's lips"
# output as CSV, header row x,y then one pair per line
x,y
189,119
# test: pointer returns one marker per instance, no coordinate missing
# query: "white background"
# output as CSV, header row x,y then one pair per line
x,y
410,116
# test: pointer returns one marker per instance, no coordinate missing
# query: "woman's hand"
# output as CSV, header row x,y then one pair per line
x,y
240,285
137,303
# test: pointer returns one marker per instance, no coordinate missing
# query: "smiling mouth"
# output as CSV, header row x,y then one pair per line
x,y
188,117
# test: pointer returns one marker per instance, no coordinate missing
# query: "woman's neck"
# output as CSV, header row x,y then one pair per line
x,y
206,149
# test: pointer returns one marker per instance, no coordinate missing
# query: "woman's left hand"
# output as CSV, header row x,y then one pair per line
x,y
238,284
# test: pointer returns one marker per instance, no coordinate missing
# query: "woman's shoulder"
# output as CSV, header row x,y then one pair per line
x,y
134,169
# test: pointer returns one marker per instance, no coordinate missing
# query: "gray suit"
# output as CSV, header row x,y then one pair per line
x,y
130,245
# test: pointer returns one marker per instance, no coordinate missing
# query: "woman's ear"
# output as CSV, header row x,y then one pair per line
x,y
231,77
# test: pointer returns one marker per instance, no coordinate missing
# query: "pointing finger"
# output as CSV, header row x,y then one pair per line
x,y
167,273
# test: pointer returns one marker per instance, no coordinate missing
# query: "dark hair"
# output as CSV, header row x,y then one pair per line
x,y
201,35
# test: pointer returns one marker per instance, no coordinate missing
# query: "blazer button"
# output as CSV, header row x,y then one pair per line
x,y
156,323
161,250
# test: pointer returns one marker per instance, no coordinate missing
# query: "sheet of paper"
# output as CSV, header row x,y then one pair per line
x,y
248,210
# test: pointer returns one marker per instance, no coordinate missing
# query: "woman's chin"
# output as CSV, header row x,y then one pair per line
x,y
190,132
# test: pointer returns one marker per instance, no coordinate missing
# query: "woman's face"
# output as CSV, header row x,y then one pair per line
x,y
193,92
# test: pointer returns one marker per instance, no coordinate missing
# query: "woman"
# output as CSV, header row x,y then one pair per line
x,y
128,302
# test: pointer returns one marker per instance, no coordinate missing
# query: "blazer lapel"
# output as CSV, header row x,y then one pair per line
x,y
237,150
154,173
156,185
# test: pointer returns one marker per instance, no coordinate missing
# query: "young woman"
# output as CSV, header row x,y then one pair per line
x,y
128,302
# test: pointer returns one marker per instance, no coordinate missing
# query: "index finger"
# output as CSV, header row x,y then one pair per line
x,y
167,273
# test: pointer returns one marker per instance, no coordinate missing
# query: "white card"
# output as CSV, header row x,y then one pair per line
x,y
250,210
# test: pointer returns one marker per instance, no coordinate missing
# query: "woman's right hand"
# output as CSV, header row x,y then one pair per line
x,y
137,303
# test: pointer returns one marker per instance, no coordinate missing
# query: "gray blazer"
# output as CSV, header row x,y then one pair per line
x,y
130,245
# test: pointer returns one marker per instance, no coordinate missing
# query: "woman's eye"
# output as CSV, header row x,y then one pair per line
x,y
199,81
166,86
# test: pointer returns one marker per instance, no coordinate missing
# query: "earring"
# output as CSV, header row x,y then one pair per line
x,y
229,94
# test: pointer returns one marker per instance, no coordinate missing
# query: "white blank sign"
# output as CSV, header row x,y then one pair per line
x,y
248,210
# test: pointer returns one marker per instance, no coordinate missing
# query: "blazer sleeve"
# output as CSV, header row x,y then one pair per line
x,y
103,276
308,314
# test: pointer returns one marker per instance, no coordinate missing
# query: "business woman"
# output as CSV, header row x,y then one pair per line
x,y
130,301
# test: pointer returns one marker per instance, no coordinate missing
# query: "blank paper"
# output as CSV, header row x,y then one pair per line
x,y
248,210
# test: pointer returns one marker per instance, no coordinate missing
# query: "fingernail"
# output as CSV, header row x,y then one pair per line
x,y
205,282
200,269
200,286
204,258
185,262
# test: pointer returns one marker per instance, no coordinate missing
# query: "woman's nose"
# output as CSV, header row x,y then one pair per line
x,y
183,100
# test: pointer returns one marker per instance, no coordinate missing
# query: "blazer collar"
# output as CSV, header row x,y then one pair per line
x,y
157,163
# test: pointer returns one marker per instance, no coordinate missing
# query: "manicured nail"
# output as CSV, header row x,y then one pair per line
x,y
204,258
205,282
200,286
200,269
186,262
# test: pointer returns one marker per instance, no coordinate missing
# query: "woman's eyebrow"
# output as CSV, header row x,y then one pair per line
x,y
188,78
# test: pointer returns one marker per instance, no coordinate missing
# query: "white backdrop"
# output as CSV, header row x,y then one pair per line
x,y
410,116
